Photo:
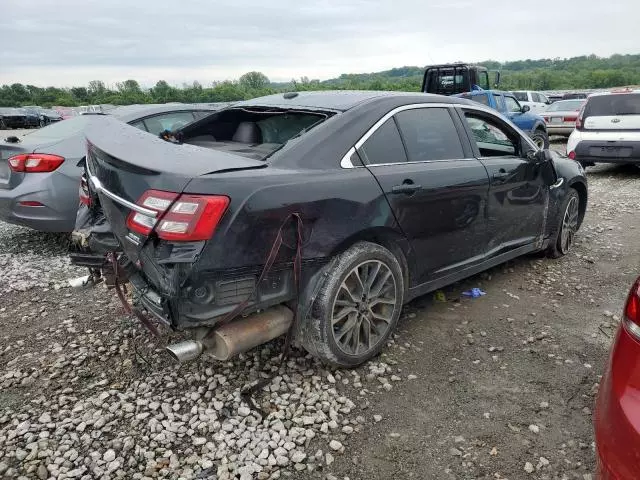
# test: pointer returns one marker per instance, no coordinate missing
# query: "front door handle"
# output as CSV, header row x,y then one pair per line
x,y
407,188
502,175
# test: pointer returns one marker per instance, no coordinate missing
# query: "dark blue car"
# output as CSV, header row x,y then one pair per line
x,y
507,104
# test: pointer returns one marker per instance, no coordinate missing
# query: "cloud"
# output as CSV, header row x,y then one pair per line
x,y
69,42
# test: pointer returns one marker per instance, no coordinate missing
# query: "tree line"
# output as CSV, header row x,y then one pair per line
x,y
585,72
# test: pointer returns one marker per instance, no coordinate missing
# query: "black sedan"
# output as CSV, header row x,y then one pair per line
x,y
12,118
345,204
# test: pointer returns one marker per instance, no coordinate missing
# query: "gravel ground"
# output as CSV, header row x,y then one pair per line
x,y
497,387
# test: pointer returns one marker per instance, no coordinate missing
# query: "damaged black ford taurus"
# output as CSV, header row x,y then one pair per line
x,y
342,206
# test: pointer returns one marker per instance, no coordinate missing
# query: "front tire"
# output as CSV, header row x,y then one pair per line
x,y
357,307
568,224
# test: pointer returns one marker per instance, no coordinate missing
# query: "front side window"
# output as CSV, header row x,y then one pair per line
x,y
492,138
429,134
512,104
384,146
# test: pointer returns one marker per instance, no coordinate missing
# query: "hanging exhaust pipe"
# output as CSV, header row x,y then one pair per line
x,y
186,351
236,337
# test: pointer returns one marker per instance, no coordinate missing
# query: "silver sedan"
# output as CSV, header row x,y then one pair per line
x,y
561,116
39,172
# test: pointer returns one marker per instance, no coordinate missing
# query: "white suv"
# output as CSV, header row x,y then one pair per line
x,y
607,129
537,101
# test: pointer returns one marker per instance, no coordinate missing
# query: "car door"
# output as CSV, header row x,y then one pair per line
x,y
435,187
518,195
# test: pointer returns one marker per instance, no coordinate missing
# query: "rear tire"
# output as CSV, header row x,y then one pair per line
x,y
357,307
540,138
567,225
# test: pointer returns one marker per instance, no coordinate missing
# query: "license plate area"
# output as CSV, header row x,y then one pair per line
x,y
610,151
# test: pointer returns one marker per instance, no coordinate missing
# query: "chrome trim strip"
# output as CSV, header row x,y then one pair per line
x,y
137,208
346,160
412,106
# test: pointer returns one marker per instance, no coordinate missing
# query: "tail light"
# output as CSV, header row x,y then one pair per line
x,y
85,196
632,310
579,120
569,119
35,162
181,218
572,155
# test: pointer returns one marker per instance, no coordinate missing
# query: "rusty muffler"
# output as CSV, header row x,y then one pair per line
x,y
236,337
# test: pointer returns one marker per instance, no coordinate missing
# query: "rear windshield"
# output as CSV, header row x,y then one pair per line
x,y
521,96
617,104
565,106
64,129
447,80
254,132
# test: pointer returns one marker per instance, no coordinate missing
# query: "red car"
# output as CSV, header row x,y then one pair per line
x,y
617,415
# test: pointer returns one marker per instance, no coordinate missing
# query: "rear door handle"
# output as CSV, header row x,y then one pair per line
x,y
406,188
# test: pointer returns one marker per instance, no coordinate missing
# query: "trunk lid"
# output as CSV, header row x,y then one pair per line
x,y
125,162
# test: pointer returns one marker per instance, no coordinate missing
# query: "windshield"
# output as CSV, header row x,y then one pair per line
x,y
521,96
617,104
64,129
566,106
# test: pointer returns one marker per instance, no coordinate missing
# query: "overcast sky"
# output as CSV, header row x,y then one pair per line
x,y
70,42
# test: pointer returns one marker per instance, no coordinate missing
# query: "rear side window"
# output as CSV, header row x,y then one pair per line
x,y
610,105
384,146
535,97
499,99
429,134
522,96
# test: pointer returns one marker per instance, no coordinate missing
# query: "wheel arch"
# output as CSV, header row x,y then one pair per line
x,y
539,126
581,188
388,238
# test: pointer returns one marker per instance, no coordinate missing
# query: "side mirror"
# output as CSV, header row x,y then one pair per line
x,y
525,108
497,82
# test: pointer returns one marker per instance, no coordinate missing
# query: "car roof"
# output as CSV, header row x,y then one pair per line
x,y
615,92
340,100
132,112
